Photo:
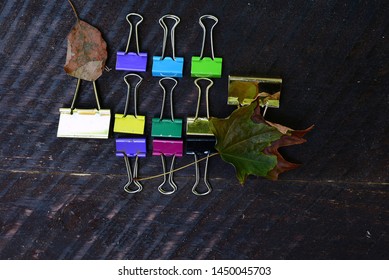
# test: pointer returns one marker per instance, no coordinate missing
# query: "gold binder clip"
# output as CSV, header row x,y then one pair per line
x,y
200,125
243,90
84,123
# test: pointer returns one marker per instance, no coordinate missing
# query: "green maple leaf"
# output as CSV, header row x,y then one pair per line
x,y
250,143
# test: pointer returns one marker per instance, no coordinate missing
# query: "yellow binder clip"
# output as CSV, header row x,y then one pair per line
x,y
84,123
125,123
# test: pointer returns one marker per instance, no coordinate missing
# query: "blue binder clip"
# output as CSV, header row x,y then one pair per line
x,y
168,66
131,61
131,147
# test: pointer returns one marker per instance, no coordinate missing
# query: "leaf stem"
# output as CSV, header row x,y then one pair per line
x,y
174,170
74,9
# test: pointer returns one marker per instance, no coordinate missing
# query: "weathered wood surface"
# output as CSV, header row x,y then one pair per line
x,y
63,198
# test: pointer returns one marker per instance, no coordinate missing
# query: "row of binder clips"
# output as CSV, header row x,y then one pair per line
x,y
163,65
166,133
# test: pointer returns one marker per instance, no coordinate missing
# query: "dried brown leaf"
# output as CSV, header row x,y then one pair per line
x,y
86,52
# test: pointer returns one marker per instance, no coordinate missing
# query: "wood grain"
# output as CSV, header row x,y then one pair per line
x,y
63,198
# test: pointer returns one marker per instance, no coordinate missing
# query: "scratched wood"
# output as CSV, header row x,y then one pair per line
x,y
63,198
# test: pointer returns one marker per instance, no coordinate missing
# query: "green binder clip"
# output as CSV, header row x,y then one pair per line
x,y
125,123
172,127
210,67
84,123
200,125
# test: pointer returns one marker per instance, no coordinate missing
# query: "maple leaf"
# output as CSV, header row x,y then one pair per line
x,y
86,52
250,143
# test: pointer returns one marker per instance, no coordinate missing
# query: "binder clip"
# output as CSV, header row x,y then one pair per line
x,y
168,66
207,66
202,142
196,147
165,148
84,123
131,61
172,127
196,125
244,90
131,147
133,124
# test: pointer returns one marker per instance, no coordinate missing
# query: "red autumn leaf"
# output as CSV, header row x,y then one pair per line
x,y
250,143
290,137
86,52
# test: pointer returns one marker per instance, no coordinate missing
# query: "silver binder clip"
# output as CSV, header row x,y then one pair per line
x,y
170,177
84,123
132,177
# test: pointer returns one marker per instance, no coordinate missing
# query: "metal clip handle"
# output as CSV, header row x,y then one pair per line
x,y
76,95
196,82
215,19
207,184
170,180
164,97
129,90
165,33
136,31
130,177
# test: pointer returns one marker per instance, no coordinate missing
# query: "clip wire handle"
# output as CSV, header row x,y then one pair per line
x,y
131,179
195,190
196,82
72,107
215,19
207,66
165,34
132,61
129,91
164,66
170,178
164,97
136,31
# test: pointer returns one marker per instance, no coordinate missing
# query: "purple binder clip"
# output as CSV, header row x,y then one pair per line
x,y
132,61
167,147
132,147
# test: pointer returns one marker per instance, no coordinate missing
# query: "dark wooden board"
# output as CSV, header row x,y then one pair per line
x,y
63,198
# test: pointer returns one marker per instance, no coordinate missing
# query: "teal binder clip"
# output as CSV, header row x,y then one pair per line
x,y
210,67
168,66
172,127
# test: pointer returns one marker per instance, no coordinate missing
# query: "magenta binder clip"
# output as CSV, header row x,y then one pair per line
x,y
167,148
132,61
131,147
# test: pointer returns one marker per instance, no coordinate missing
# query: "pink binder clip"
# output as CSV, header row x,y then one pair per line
x,y
167,148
